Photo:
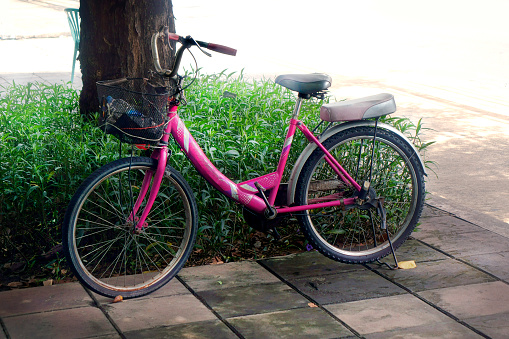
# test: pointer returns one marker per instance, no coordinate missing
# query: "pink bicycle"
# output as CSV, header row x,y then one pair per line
x,y
357,189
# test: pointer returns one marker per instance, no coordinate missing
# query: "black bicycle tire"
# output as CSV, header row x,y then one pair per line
x,y
413,162
79,199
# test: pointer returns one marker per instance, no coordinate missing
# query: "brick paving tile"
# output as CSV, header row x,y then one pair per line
x,y
253,299
386,314
416,251
223,276
204,329
131,315
44,298
446,225
298,323
449,330
494,325
66,324
437,274
307,264
494,263
471,300
346,286
466,244
174,287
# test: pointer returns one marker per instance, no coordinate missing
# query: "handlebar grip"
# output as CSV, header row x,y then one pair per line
x,y
221,49
173,36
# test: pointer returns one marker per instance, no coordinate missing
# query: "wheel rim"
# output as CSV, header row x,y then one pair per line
x,y
357,232
108,250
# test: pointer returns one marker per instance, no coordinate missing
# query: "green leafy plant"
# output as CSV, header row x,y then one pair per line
x,y
47,150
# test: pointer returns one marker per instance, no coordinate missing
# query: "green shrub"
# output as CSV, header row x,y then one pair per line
x,y
47,150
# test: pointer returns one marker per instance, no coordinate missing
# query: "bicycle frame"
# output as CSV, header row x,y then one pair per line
x,y
244,192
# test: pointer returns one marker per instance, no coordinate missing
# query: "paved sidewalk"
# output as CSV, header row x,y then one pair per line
x,y
28,19
460,289
48,78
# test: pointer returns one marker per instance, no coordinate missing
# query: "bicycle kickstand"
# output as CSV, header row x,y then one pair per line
x,y
383,216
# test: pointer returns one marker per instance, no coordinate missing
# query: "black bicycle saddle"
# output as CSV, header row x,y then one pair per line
x,y
305,83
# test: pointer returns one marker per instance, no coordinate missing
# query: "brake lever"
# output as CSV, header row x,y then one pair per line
x,y
206,53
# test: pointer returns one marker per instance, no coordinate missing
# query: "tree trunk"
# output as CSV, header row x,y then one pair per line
x,y
115,42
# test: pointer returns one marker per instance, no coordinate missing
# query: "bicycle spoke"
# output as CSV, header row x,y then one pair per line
x,y
98,217
163,235
155,247
102,257
102,230
117,259
105,243
100,225
115,210
153,263
143,257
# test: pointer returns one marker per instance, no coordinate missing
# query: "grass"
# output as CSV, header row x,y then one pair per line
x,y
48,149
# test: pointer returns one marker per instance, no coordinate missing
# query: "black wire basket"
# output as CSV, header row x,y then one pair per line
x,y
133,110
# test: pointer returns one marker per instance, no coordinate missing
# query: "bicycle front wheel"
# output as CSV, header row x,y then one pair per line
x,y
355,235
105,250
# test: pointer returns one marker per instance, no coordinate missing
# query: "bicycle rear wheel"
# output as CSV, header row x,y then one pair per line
x,y
103,248
355,235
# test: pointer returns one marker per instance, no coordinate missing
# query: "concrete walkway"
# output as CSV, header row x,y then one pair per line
x,y
460,289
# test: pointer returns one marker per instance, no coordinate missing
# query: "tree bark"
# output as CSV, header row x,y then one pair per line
x,y
115,42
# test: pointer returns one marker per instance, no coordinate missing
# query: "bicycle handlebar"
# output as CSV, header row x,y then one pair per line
x,y
218,48
186,42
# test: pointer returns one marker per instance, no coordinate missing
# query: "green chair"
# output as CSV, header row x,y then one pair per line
x,y
73,16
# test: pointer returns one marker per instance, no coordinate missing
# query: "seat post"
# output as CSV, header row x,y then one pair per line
x,y
296,110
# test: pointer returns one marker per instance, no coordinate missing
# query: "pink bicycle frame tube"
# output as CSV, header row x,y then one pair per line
x,y
245,192
161,154
282,161
141,196
340,171
328,157
205,167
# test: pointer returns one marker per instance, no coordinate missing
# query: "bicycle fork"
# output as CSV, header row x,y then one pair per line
x,y
161,154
